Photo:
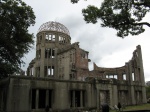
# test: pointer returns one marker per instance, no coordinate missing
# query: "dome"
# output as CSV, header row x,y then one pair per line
x,y
53,26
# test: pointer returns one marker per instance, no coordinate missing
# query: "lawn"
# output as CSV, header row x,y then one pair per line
x,y
136,107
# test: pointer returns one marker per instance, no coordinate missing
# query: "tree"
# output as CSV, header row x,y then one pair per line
x,y
126,16
74,1
15,41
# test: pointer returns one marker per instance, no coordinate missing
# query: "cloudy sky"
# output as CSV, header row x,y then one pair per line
x,y
105,48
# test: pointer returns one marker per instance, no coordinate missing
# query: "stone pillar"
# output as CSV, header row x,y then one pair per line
x,y
139,51
111,94
115,95
132,91
37,99
81,98
140,65
34,70
98,100
51,63
42,59
47,98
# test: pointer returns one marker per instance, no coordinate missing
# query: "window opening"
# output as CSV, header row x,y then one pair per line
x,y
49,53
45,70
49,71
50,98
133,76
38,71
46,53
53,53
111,76
52,70
115,76
86,56
70,76
107,76
38,54
33,98
124,77
53,38
77,98
46,37
61,39
42,98
31,71
64,40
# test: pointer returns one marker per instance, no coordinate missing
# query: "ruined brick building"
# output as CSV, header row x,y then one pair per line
x,y
59,77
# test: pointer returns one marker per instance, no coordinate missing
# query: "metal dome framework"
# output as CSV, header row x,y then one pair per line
x,y
54,26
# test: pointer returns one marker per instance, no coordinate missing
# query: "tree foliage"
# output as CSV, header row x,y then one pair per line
x,y
126,16
74,1
15,41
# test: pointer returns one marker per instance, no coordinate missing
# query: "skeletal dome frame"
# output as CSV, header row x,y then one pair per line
x,y
54,26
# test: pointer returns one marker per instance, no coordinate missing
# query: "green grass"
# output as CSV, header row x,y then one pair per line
x,y
136,107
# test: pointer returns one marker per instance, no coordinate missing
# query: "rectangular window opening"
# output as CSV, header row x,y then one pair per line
x,y
33,98
77,98
50,37
42,98
39,54
107,76
49,71
53,38
64,40
124,77
53,53
49,53
50,98
38,71
32,71
46,37
45,70
52,72
46,53
133,76
115,76
111,76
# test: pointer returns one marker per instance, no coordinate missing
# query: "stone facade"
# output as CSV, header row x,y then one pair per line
x,y
59,77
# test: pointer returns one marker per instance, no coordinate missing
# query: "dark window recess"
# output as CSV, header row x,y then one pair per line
x,y
38,71
83,92
33,98
53,53
49,54
45,70
46,53
76,99
42,98
50,98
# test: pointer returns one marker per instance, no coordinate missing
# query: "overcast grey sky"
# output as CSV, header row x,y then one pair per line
x,y
105,48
